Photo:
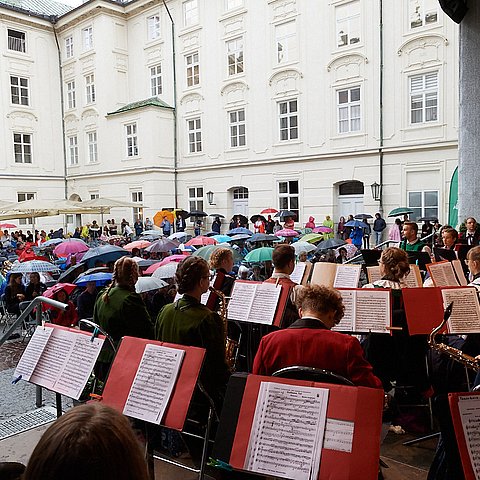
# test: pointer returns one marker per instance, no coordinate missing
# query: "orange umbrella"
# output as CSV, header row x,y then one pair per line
x,y
201,241
158,217
137,244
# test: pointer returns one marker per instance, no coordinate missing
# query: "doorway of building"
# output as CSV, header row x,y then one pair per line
x,y
350,199
240,201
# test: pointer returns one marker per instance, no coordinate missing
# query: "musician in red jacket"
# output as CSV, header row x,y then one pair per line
x,y
310,342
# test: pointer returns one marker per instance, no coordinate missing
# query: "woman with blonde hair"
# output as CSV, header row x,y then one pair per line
x,y
90,441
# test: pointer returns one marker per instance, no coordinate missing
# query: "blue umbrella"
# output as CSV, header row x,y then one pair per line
x,y
221,238
100,279
239,231
356,223
103,254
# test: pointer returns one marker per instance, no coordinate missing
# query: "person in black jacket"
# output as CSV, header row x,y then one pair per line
x,y
379,226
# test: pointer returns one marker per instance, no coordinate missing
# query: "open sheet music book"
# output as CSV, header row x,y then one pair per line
x,y
366,310
412,280
301,273
447,274
59,359
336,275
254,302
465,408
153,383
465,317
287,431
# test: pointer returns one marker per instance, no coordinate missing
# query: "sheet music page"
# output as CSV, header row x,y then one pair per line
x,y
153,383
287,431
457,267
373,312
264,303
347,276
241,300
414,278
79,365
297,274
465,317
33,352
53,359
442,274
348,321
469,409
339,435
324,274
204,298
374,274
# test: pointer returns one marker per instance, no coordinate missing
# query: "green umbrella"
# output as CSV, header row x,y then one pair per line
x,y
400,211
261,254
312,237
207,250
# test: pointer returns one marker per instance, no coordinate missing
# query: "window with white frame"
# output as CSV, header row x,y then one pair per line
x,y
349,110
69,47
195,198
71,95
288,196
22,147
153,24
92,147
288,117
90,89
240,193
19,90
73,150
424,98
237,128
87,36
347,19
232,4
422,12
286,42
23,197
423,204
94,195
137,197
193,69
16,40
132,139
194,126
235,56
190,13
156,80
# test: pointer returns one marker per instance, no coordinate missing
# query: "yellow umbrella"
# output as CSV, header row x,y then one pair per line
x,y
158,217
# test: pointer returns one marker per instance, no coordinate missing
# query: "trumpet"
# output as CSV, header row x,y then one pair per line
x,y
454,353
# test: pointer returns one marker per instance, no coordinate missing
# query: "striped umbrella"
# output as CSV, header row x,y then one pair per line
x,y
34,266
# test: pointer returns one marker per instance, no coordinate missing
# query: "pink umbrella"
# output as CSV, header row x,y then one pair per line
x,y
7,225
67,247
137,244
201,240
322,229
151,268
286,232
51,291
174,258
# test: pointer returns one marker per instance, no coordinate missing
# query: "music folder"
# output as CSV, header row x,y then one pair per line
x,y
371,257
351,443
124,371
419,258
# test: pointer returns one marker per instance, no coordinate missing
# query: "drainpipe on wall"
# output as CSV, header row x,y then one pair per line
x,y
380,150
175,148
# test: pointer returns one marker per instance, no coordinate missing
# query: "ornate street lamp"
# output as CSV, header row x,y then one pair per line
x,y
376,191
210,197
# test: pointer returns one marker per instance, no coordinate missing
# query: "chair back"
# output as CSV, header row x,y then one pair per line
x,y
299,372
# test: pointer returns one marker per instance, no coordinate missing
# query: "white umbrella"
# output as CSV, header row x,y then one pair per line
x,y
166,271
180,236
147,284
303,247
33,266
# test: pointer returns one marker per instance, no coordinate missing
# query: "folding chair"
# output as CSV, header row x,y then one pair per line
x,y
5,316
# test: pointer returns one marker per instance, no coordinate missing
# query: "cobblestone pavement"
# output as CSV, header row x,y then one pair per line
x,y
10,353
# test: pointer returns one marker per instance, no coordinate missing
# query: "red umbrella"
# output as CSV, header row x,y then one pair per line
x,y
28,254
173,258
137,244
268,210
7,225
287,232
322,230
51,291
201,240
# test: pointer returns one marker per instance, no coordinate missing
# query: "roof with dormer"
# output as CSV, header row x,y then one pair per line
x,y
149,102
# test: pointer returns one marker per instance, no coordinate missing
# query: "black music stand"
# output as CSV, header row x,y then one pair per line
x,y
371,257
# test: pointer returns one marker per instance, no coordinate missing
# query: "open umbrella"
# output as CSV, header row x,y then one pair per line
x,y
330,243
222,238
362,216
305,230
350,248
201,240
100,279
51,291
267,211
147,284
180,236
198,213
241,218
33,266
303,247
311,238
287,232
262,254
172,258
240,236
427,219
163,245
285,213
69,246
254,218
239,231
206,251
158,217
322,229
216,215
400,211
180,211
7,225
149,234
103,254
164,271
137,244
52,242
263,237
356,224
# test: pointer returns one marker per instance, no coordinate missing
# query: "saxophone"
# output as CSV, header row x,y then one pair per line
x,y
231,346
453,353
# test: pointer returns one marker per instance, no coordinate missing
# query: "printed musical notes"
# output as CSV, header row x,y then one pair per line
x,y
153,384
465,317
335,275
469,409
339,435
287,431
447,274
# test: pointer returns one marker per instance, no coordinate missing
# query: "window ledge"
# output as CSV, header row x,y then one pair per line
x,y
128,159
417,126
189,29
151,43
87,53
18,55
348,48
284,65
237,149
349,134
23,164
287,142
233,13
68,61
235,77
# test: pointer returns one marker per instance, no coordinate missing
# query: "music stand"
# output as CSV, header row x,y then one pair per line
x,y
371,257
444,254
419,258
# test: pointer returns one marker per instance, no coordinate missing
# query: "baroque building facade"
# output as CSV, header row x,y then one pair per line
x,y
291,104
